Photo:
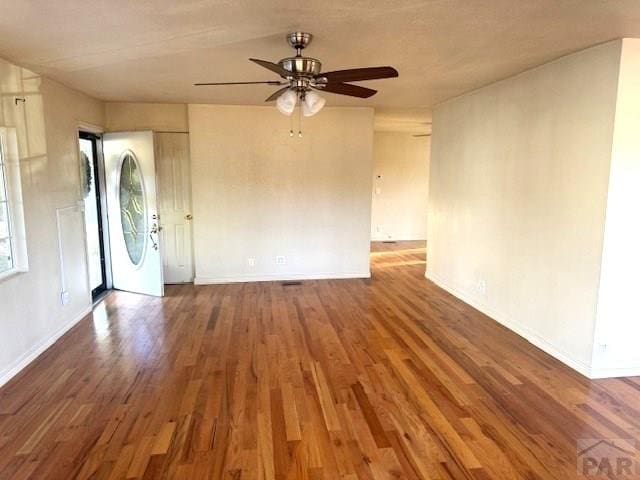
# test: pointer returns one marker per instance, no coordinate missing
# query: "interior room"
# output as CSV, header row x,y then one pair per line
x,y
284,240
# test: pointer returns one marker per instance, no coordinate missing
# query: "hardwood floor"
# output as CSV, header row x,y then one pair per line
x,y
375,379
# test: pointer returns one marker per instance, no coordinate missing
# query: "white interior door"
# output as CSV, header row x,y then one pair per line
x,y
174,199
133,214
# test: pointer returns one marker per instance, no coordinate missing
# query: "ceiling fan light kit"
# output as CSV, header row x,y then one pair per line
x,y
301,75
312,104
286,102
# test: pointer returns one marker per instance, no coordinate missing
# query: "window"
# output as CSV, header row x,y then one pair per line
x,y
6,242
13,255
133,208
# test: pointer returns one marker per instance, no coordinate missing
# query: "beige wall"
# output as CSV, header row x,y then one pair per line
x,y
259,194
31,313
163,117
400,186
517,200
616,349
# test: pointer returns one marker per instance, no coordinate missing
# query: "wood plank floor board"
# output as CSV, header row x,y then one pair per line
x,y
381,378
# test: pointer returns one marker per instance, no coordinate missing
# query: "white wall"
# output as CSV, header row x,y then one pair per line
x,y
31,314
400,186
518,191
257,193
618,326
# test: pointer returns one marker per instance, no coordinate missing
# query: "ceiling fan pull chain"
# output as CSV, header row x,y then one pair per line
x,y
291,125
300,121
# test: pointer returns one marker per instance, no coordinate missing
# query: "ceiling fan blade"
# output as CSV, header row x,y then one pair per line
x,y
274,67
358,74
269,82
276,94
347,89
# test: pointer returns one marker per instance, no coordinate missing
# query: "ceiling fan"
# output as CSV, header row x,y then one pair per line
x,y
301,75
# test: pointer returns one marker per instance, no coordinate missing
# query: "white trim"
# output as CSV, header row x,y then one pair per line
x,y
614,372
12,187
60,211
278,277
90,128
407,238
33,353
523,331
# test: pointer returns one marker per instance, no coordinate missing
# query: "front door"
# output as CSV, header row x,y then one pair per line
x,y
130,171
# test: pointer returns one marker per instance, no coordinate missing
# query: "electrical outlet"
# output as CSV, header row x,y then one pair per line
x,y
281,260
251,262
64,297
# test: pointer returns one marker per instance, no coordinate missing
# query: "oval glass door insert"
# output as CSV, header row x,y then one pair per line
x,y
133,209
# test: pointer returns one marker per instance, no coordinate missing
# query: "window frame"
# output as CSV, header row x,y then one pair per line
x,y
11,185
4,201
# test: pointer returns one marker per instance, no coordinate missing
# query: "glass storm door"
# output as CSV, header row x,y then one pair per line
x,y
136,262
93,212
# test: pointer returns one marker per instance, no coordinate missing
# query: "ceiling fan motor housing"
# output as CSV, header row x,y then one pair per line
x,y
301,66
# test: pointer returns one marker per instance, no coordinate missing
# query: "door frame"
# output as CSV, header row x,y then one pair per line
x,y
100,185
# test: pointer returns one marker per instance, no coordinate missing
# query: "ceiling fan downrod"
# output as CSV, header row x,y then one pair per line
x,y
299,40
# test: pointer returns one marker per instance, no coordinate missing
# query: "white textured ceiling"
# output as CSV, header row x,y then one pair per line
x,y
124,50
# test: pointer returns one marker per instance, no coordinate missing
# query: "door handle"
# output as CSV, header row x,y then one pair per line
x,y
188,216
154,230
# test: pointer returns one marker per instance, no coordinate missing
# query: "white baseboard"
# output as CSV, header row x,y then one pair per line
x,y
284,277
614,372
525,332
35,351
408,238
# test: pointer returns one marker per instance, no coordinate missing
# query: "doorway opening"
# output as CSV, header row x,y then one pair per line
x,y
128,248
94,204
400,195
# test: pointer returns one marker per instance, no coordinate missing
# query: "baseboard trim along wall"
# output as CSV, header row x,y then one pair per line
x,y
205,280
402,238
517,328
614,372
29,356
